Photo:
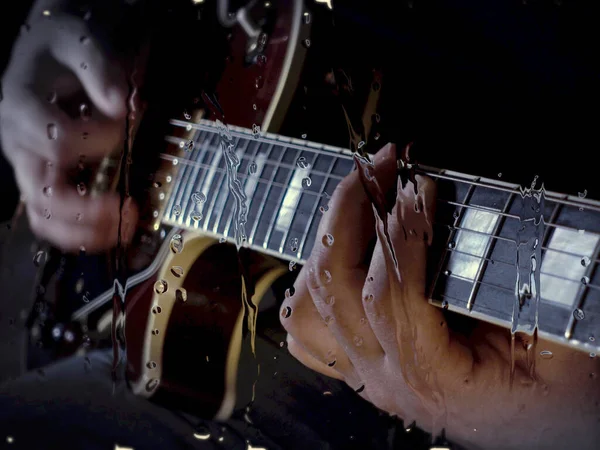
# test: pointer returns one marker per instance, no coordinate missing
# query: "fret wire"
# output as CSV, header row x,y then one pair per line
x,y
580,293
451,235
489,247
243,181
591,205
286,234
182,184
281,165
346,154
192,181
315,207
499,261
501,238
438,200
222,193
482,283
255,154
507,215
279,203
261,206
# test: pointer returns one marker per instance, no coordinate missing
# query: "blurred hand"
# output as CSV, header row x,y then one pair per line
x,y
370,325
44,135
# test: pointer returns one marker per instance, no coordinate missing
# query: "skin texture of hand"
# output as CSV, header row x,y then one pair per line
x,y
370,325
55,60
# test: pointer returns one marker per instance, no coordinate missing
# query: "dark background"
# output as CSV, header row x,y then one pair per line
x,y
500,86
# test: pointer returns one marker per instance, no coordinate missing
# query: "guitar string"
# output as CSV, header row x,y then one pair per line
x,y
195,164
309,146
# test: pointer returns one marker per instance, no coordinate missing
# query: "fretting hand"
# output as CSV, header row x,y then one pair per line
x,y
370,325
54,60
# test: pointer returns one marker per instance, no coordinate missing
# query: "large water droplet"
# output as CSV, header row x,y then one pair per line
x,y
160,286
176,243
294,244
306,182
52,131
328,240
585,280
585,261
198,197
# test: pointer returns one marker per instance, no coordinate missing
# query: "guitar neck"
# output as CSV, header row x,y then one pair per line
x,y
520,258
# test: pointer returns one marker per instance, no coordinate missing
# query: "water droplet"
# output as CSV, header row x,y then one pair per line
x,y
198,197
83,66
451,244
176,210
81,189
578,314
302,163
592,338
47,214
47,191
187,115
368,171
286,312
546,354
592,355
445,304
328,240
455,214
52,97
155,332
252,168
585,280
585,261
188,127
500,175
222,240
582,194
369,298
306,18
152,384
52,131
306,182
177,271
259,82
325,276
447,273
85,112
39,258
254,107
330,300
332,363
156,310
181,295
323,208
292,265
196,216
304,136
361,144
329,320
370,279
160,286
289,292
189,146
84,39
358,341
176,243
151,365
306,43
294,244
256,130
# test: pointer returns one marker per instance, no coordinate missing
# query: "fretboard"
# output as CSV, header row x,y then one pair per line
x,y
549,280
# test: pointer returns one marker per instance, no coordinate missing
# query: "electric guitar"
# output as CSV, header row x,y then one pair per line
x,y
522,259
